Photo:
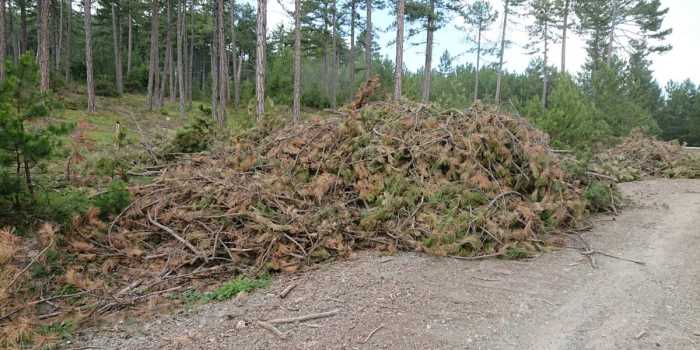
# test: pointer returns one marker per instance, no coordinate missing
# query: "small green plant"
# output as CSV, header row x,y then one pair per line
x,y
227,290
114,200
63,329
601,197
515,253
195,137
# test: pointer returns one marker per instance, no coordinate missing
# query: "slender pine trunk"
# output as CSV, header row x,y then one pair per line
x,y
334,56
260,58
234,54
223,63
499,75
478,64
565,28
117,52
400,9
180,56
129,40
88,56
59,44
153,58
44,45
544,65
368,42
69,35
427,68
353,55
190,68
296,109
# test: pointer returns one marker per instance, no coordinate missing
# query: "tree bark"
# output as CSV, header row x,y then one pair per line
x,y
234,55
169,53
129,40
353,55
23,26
69,35
60,35
260,58
117,52
44,45
368,42
180,71
567,6
499,74
334,56
153,58
544,65
223,63
214,80
13,34
427,68
88,56
478,62
2,40
190,68
611,39
400,9
296,109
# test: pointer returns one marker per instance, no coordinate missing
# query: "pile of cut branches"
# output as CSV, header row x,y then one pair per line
x,y
642,156
395,177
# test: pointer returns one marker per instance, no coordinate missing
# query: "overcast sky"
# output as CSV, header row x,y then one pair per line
x,y
679,64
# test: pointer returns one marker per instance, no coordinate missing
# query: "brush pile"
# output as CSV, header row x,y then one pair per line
x,y
391,177
641,156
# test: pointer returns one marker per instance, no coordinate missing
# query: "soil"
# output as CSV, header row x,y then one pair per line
x,y
413,301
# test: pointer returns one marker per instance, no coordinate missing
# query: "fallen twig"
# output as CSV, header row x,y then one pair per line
x,y
31,262
286,291
272,329
372,333
304,318
479,257
176,236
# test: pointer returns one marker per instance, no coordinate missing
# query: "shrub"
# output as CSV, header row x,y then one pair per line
x,y
105,88
116,199
194,137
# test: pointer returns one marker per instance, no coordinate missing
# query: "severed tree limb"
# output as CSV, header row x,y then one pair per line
x,y
369,336
31,262
304,318
479,257
286,291
176,236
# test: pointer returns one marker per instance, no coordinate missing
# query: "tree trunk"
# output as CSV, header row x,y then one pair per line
x,y
129,40
44,46
180,56
234,52
60,35
117,52
88,56
368,42
13,34
69,35
565,28
2,40
296,109
23,26
223,63
428,69
334,56
544,65
190,69
214,80
400,9
153,58
478,63
499,74
611,39
169,53
260,58
351,61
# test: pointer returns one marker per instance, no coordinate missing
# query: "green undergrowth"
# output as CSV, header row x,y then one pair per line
x,y
227,290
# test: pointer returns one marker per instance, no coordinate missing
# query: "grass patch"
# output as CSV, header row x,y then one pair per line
x,y
227,290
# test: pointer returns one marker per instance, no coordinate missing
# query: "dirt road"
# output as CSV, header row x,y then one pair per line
x,y
410,301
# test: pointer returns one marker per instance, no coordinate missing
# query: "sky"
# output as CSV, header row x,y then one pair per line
x,y
679,64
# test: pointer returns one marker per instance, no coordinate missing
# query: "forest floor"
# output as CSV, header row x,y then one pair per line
x,y
413,301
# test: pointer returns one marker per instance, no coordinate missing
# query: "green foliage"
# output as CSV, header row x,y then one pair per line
x,y
114,200
22,143
601,197
228,289
63,329
105,88
570,119
194,137
60,207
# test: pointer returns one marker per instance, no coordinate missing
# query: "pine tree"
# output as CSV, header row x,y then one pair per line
x,y
117,51
43,45
479,15
509,6
542,32
260,58
296,110
398,70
